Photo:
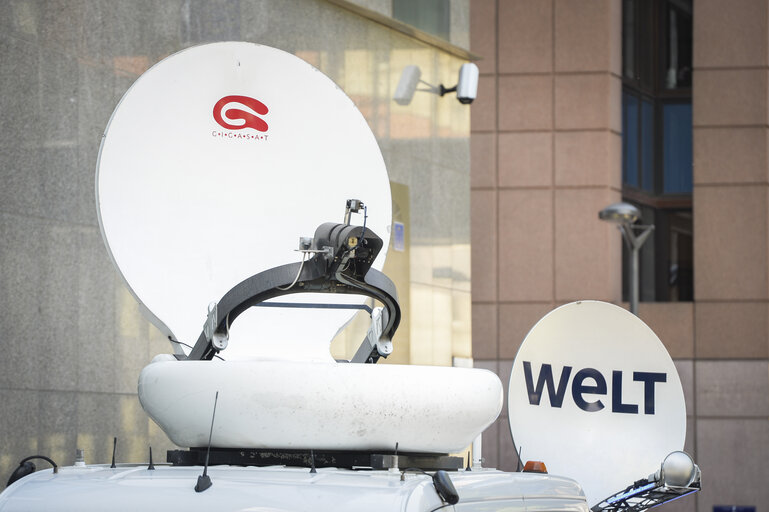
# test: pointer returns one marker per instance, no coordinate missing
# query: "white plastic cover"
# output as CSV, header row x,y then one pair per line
x,y
594,395
332,406
212,166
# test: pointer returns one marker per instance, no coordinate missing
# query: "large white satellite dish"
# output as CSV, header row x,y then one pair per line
x,y
214,163
594,395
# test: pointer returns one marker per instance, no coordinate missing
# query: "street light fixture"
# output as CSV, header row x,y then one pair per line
x,y
625,216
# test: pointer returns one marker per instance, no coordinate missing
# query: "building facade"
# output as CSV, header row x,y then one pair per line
x,y
520,180
558,133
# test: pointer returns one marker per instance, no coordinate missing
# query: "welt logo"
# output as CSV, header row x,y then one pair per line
x,y
227,111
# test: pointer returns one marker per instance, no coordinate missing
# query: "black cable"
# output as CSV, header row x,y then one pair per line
x,y
47,459
179,342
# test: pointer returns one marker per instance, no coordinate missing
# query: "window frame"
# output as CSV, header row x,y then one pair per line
x,y
647,83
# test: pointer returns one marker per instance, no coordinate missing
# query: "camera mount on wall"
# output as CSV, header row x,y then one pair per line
x,y
466,87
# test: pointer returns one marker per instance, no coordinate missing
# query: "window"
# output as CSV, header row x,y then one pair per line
x,y
657,141
432,16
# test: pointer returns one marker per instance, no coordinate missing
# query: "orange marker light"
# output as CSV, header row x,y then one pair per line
x,y
535,466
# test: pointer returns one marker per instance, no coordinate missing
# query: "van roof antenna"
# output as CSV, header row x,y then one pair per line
x,y
114,449
204,481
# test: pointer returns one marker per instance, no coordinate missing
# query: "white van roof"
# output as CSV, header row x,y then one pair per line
x,y
280,488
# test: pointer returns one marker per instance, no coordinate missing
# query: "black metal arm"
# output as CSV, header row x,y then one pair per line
x,y
341,263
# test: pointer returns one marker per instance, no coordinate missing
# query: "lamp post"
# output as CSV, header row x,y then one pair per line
x,y
625,215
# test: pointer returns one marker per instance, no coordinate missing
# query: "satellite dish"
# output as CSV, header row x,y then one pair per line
x,y
594,394
214,163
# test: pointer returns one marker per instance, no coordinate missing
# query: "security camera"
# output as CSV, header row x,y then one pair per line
x,y
467,86
407,85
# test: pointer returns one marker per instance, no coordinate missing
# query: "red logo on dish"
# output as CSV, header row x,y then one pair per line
x,y
222,115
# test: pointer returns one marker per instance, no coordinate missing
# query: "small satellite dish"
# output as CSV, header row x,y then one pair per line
x,y
594,395
213,165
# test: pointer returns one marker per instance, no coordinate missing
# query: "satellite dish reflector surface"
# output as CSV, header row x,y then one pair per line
x,y
214,163
594,394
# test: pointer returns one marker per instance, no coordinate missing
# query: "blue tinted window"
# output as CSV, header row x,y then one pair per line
x,y
629,139
677,148
647,145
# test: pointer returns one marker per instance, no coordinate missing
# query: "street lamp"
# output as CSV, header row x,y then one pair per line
x,y
625,215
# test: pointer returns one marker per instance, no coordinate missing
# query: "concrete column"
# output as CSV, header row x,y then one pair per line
x,y
546,157
731,249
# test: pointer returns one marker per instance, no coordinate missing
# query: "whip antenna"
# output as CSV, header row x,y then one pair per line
x,y
204,481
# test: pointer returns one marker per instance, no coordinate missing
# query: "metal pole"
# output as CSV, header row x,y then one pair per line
x,y
634,243
634,270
